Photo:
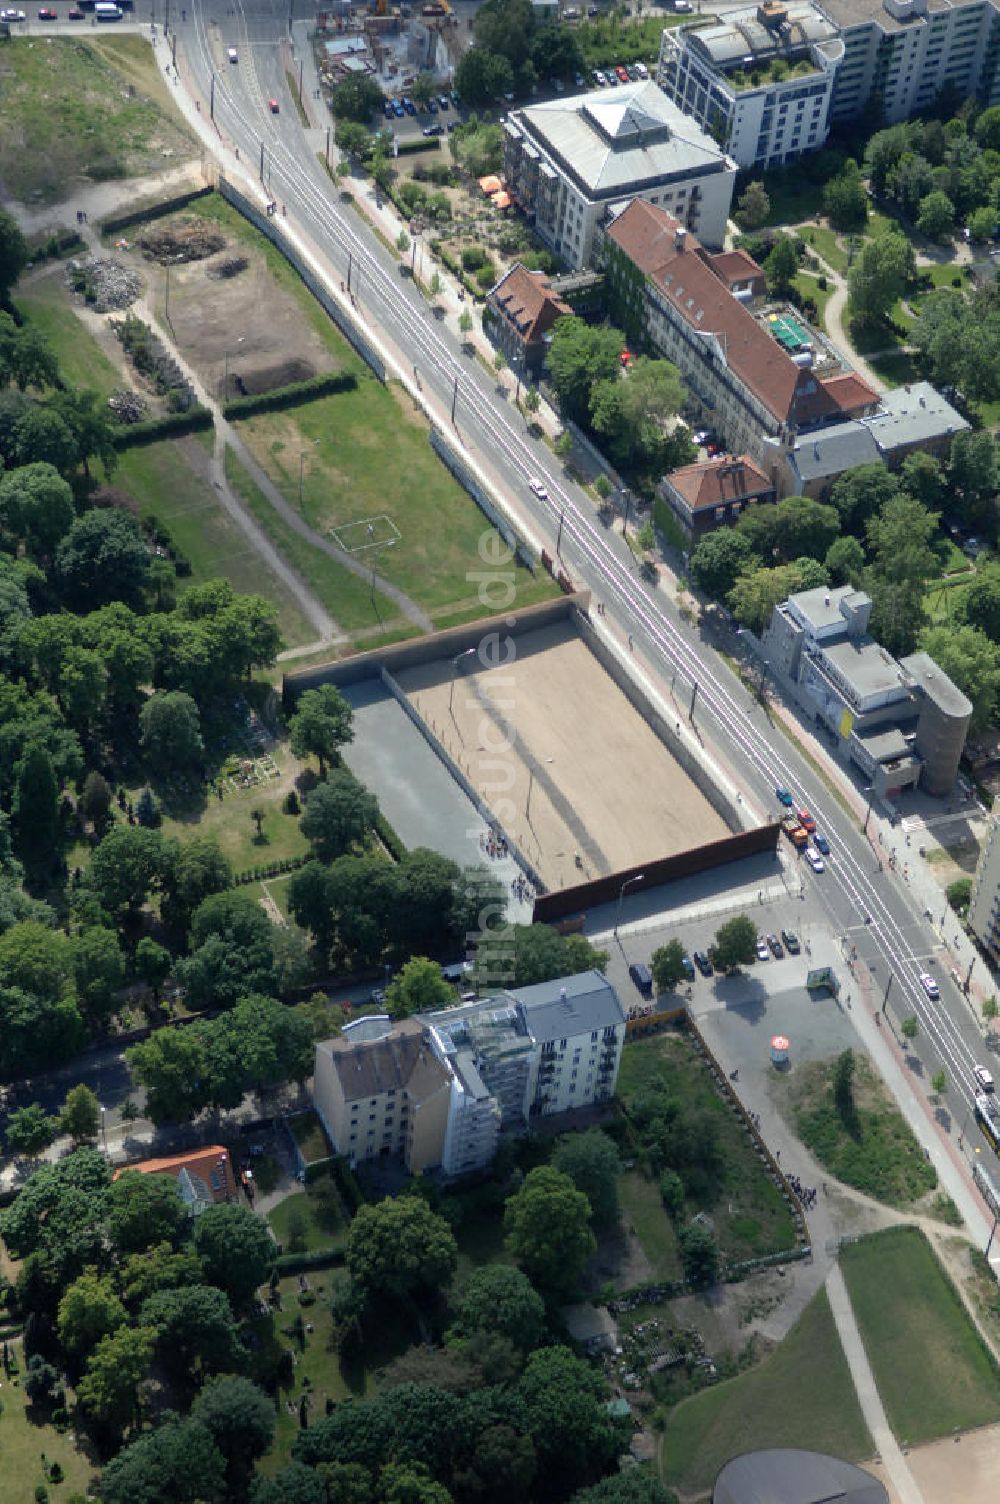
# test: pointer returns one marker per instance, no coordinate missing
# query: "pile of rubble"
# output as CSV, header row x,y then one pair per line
x,y
105,283
128,407
181,240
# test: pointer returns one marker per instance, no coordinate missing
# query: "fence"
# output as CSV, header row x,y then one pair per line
x,y
268,227
158,210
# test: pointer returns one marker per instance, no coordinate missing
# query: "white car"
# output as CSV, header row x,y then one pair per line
x,y
983,1079
642,70
12,15
233,55
536,486
763,954
814,859
929,985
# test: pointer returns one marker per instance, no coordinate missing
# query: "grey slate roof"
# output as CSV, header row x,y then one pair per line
x,y
569,1005
783,1476
402,1059
912,415
833,450
611,141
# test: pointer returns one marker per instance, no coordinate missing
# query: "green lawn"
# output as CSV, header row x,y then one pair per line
x,y
45,302
66,113
749,1214
312,1142
23,1440
826,243
642,1206
801,1396
171,480
808,287
228,819
931,1368
612,39
875,1150
897,368
364,456
326,1220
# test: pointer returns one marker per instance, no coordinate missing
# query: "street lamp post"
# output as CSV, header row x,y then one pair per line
x,y
466,653
628,883
104,1128
225,379
870,791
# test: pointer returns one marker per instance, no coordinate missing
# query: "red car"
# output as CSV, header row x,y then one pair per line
x,y
47,15
272,105
806,820
74,14
622,75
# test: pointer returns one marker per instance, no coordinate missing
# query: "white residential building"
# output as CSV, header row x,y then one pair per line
x,y
568,162
761,80
984,905
436,1090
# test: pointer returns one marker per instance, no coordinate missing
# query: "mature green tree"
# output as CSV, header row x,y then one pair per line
x,y
29,1130
26,357
592,1162
85,414
159,1268
502,1468
981,602
781,266
633,412
923,478
170,727
195,1330
898,616
41,437
82,689
861,493
237,1250
81,1114
145,1210
320,725
667,964
482,77
899,540
42,1381
720,559
735,944
293,1484
231,954
878,277
529,953
36,957
354,140
88,1311
239,1419
936,218
802,528
153,963
98,971
170,1064
555,52
357,98
35,809
580,356
699,1254
548,1229
845,198
108,1393
972,661
178,1463
500,1299
193,872
982,225
36,507
974,473
567,1419
418,988
638,1485
400,1248
102,558
13,253
126,868
410,1483
754,596
36,1031
339,813
272,1043
347,1483
754,207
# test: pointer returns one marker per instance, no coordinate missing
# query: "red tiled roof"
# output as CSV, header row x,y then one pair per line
x,y
735,266
200,1164
850,393
648,236
715,482
526,300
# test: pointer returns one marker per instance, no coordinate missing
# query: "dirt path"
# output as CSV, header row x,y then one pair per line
x,y
836,328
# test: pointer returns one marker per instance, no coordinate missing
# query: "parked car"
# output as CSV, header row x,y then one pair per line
x,y
688,966
75,14
622,75
821,843
45,14
443,101
642,70
455,100
598,78
791,940
784,797
806,820
814,859
703,961
397,109
930,986
763,952
408,105
434,130
983,1079
776,949
14,15
389,109
633,73
272,105
642,977
232,54
432,105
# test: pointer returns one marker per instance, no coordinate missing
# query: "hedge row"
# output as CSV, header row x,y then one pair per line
x,y
299,1263
55,246
457,269
418,143
291,395
152,211
390,840
172,426
269,869
348,1184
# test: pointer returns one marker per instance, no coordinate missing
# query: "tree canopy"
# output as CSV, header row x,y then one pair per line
x,y
400,1248
548,1229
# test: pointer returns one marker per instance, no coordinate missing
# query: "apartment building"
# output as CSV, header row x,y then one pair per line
x,y
984,904
714,493
567,162
667,292
437,1090
519,314
902,722
760,80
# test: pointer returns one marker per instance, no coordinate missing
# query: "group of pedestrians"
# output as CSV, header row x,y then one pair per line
x,y
805,1193
522,889
494,844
